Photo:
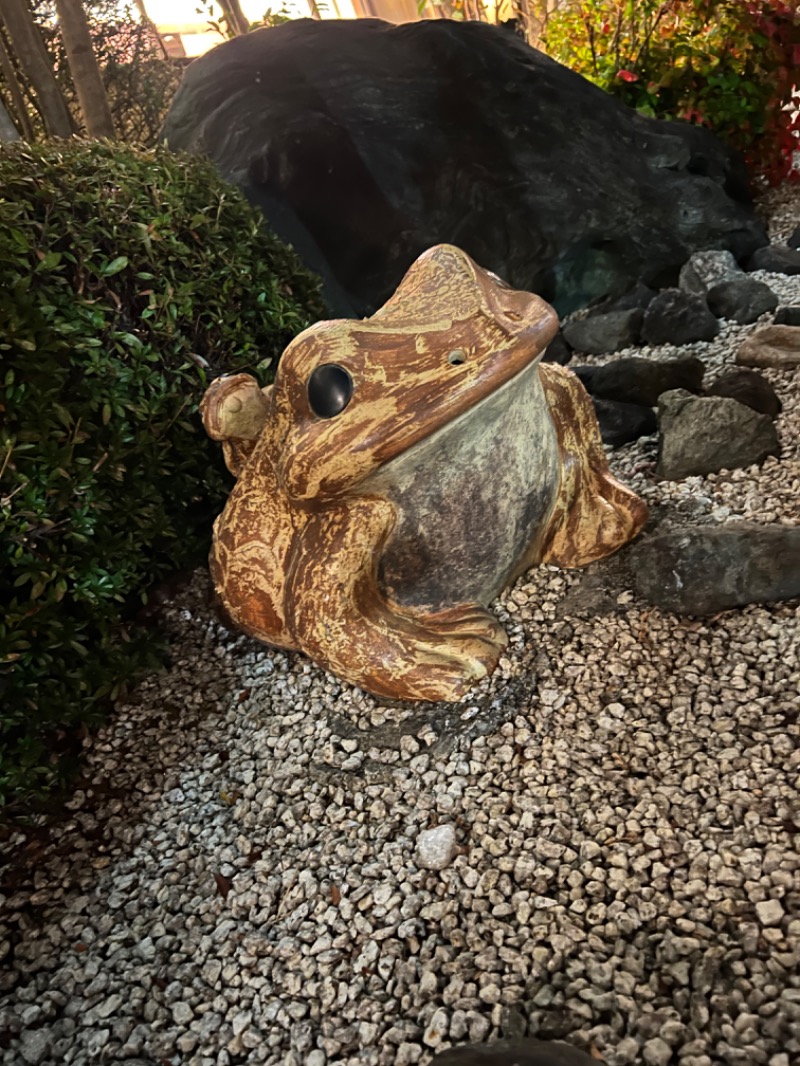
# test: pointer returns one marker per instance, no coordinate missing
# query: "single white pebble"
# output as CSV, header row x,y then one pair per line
x,y
436,847
770,912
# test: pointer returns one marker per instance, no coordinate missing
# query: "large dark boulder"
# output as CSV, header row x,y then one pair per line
x,y
366,143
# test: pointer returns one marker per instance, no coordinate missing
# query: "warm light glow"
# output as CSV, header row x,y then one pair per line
x,y
185,13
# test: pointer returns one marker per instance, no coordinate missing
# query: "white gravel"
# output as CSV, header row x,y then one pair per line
x,y
238,880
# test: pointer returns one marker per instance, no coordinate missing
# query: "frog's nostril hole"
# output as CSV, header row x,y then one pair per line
x,y
515,316
456,357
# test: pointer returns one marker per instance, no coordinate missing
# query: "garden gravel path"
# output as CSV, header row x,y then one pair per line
x,y
238,881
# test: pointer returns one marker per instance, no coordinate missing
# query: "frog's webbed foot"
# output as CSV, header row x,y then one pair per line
x,y
465,621
234,411
343,621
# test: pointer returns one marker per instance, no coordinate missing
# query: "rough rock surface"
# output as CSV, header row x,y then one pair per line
x,y
639,296
704,270
514,1053
705,569
642,381
748,387
557,351
777,346
678,317
436,847
742,300
704,434
598,334
787,316
620,423
366,143
776,258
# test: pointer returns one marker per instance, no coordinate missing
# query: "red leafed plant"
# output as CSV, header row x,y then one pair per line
x,y
730,65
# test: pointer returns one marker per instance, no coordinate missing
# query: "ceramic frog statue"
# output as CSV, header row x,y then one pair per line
x,y
400,472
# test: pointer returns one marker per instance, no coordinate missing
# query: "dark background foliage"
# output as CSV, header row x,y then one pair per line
x,y
140,81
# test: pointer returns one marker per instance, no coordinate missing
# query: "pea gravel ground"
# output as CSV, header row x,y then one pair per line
x,y
237,881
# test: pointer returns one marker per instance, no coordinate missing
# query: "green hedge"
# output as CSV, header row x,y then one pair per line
x,y
127,280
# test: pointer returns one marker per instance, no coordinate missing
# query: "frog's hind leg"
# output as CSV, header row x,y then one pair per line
x,y
344,622
252,543
594,514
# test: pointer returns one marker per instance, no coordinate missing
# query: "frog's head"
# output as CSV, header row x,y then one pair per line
x,y
352,395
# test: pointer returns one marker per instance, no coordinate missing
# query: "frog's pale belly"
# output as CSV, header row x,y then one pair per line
x,y
472,499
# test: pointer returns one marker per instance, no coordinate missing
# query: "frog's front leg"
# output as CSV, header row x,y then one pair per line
x,y
341,618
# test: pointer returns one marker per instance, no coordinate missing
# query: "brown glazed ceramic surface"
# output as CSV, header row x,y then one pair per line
x,y
373,540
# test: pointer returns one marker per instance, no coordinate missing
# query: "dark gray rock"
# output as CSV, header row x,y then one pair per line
x,y
519,1052
741,300
365,143
586,375
787,316
677,317
599,334
793,240
35,1046
776,258
640,295
706,269
704,434
705,569
620,423
642,381
750,388
557,351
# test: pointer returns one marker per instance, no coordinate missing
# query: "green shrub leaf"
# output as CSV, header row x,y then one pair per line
x,y
108,482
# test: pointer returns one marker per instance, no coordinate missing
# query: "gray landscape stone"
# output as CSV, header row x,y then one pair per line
x,y
743,300
599,334
706,269
748,387
641,381
787,316
620,423
678,317
702,570
704,434
776,259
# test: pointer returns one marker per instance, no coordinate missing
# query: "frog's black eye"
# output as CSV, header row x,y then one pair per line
x,y
329,390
